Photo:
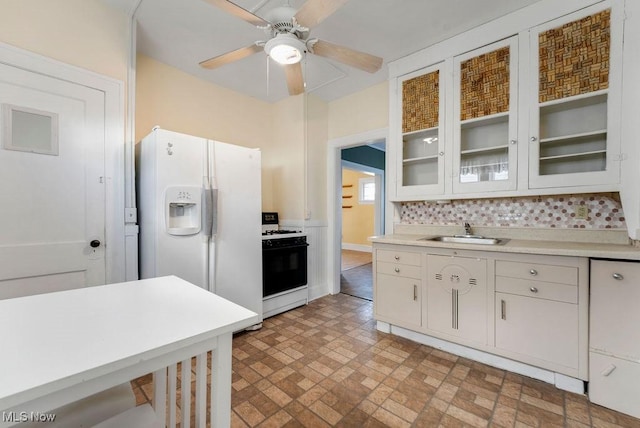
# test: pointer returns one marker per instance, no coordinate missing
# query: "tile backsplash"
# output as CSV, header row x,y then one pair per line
x,y
604,211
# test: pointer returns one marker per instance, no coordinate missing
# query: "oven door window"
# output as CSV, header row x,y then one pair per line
x,y
283,269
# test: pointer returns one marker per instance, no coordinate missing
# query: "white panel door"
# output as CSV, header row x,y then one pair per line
x,y
53,205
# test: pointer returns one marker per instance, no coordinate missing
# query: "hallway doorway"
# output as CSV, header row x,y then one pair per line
x,y
361,215
335,163
356,276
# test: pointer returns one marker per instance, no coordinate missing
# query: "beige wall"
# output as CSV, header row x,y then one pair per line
x,y
317,136
174,100
84,33
357,221
286,159
360,112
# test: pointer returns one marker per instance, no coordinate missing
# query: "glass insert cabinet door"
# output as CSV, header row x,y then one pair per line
x,y
485,121
421,164
572,140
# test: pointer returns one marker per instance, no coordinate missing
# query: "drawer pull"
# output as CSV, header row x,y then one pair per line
x,y
533,272
608,370
533,289
618,276
397,270
415,292
397,257
503,309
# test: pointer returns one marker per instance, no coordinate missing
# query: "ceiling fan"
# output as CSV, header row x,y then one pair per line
x,y
288,32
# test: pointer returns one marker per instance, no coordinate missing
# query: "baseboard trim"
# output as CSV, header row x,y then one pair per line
x,y
357,247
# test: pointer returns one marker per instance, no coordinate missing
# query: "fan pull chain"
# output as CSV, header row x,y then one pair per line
x,y
268,76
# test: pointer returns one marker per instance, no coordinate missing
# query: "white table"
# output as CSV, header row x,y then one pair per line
x,y
59,347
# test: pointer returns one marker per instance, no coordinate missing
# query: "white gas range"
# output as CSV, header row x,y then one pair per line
x,y
284,267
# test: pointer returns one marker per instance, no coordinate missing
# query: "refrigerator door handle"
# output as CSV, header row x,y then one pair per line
x,y
208,211
214,212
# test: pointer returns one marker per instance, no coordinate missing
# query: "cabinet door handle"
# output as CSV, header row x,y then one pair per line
x,y
441,154
415,292
503,309
533,289
513,142
618,276
533,272
607,371
397,270
397,257
534,139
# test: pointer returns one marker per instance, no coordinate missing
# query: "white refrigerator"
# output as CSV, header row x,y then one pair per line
x,y
199,205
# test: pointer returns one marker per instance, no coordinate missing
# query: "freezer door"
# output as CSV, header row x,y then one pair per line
x,y
171,164
237,245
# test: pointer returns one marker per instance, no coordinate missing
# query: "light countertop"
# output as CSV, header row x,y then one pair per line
x,y
527,246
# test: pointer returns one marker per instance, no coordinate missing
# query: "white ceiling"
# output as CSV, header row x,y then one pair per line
x,y
181,33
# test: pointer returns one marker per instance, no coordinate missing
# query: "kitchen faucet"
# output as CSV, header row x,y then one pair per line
x,y
467,229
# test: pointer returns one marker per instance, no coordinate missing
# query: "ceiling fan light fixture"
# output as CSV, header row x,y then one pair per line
x,y
285,49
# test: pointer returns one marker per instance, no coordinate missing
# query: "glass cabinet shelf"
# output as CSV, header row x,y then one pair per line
x,y
488,149
573,155
423,158
599,132
573,134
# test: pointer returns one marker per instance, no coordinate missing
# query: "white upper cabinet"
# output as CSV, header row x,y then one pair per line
x,y
485,119
537,112
574,125
420,166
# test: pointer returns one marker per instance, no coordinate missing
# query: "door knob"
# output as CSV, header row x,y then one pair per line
x,y
95,243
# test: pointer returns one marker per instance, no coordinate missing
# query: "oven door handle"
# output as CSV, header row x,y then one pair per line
x,y
285,248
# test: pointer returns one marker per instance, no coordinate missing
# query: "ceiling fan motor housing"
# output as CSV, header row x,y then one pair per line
x,y
283,22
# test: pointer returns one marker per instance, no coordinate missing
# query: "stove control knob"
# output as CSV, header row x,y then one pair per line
x,y
268,243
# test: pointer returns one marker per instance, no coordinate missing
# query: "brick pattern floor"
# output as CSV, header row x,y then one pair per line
x,y
325,364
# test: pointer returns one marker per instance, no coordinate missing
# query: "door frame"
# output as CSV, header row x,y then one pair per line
x,y
334,197
113,149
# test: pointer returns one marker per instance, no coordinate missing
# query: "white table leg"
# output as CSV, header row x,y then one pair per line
x,y
185,384
201,390
221,382
172,394
160,395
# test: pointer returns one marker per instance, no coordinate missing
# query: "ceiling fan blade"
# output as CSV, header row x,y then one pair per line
x,y
239,12
295,80
314,12
351,57
230,57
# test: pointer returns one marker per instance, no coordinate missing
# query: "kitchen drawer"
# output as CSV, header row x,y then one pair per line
x,y
537,289
396,269
613,383
538,272
399,257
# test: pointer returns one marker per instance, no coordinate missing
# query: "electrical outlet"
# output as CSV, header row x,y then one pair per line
x,y
581,212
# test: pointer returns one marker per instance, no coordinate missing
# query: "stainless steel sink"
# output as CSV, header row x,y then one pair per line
x,y
466,239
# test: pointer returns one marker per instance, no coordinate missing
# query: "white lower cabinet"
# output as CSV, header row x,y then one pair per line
x,y
538,329
527,308
614,383
614,358
539,318
457,297
397,292
398,300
